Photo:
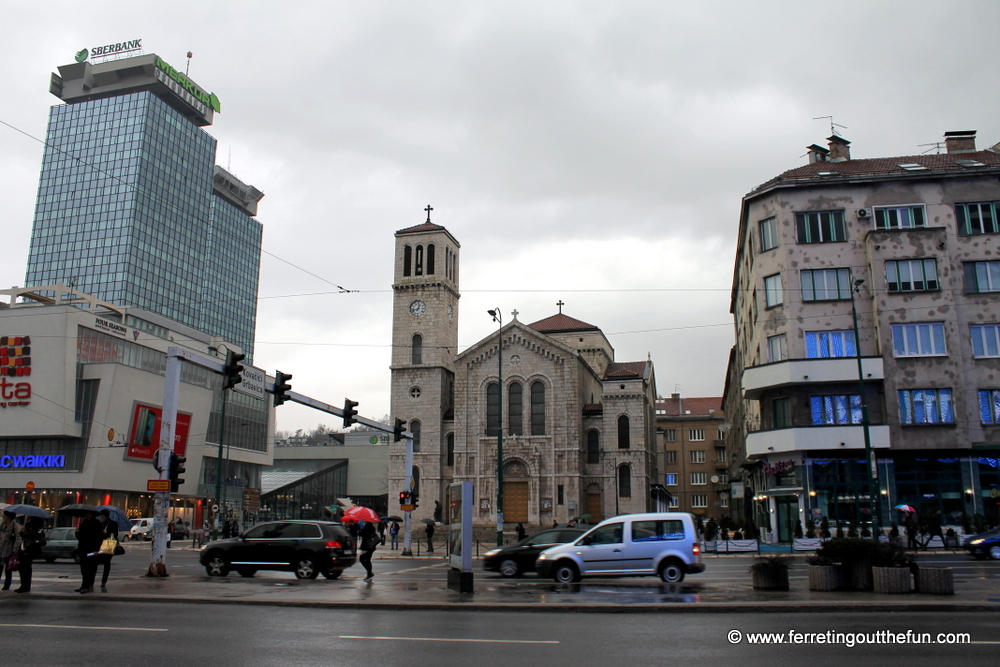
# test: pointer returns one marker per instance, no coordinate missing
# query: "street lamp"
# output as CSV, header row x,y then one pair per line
x,y
495,314
869,452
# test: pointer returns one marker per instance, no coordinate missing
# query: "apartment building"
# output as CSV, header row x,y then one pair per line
x,y
692,454
913,245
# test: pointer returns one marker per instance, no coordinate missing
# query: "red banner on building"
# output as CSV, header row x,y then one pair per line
x,y
144,434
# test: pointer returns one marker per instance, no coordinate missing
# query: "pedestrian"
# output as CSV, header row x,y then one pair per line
x,y
353,528
394,534
32,539
170,533
429,532
521,532
9,534
934,527
381,533
206,532
369,542
911,531
226,530
89,535
110,531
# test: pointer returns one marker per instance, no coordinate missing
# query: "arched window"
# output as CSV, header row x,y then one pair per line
x,y
492,409
417,349
450,460
407,258
515,409
416,481
430,259
593,446
454,268
447,262
418,264
624,440
537,408
415,430
624,481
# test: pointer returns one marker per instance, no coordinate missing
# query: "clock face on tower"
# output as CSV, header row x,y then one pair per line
x,y
418,308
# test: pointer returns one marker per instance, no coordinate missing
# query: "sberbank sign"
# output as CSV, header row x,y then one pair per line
x,y
187,84
109,50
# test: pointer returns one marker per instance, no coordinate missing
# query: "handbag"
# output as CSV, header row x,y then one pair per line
x,y
119,549
108,546
371,543
13,562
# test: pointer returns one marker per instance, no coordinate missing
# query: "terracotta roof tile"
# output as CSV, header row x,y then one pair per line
x,y
422,227
695,404
625,369
560,323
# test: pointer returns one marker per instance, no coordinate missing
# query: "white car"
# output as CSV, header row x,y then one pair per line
x,y
660,543
142,529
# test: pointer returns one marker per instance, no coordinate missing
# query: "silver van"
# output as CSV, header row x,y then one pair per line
x,y
660,543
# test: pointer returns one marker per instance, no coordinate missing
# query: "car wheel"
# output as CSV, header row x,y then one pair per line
x,y
333,574
246,571
672,572
565,573
995,552
305,567
509,568
217,566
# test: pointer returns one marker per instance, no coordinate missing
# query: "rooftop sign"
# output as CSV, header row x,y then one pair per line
x,y
189,86
109,50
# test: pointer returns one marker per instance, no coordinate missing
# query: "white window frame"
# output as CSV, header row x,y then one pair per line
x,y
817,281
768,234
904,272
699,500
696,434
670,456
985,340
773,295
670,434
777,348
698,456
908,396
699,478
826,343
674,502
918,334
670,479
899,217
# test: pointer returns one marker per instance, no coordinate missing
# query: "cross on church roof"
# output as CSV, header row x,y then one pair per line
x,y
429,209
560,304
514,313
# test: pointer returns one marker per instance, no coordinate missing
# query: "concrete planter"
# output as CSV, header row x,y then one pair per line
x,y
891,580
859,575
775,579
826,578
935,581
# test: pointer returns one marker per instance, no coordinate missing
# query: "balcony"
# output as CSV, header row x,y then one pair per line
x,y
807,438
758,379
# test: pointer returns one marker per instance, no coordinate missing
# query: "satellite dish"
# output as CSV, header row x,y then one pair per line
x,y
715,479
723,495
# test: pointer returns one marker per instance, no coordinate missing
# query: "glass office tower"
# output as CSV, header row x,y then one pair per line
x,y
132,209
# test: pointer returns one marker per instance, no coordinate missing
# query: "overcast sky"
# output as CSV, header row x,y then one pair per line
x,y
594,152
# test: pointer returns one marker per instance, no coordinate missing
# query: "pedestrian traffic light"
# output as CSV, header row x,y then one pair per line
x,y
176,470
397,430
281,387
404,498
349,412
231,373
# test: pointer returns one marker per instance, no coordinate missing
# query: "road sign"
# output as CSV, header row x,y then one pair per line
x,y
157,484
406,508
30,486
252,381
215,508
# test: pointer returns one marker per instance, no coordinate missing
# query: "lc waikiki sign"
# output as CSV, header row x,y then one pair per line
x,y
208,99
15,362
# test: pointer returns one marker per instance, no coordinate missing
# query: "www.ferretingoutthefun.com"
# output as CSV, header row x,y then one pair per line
x,y
849,638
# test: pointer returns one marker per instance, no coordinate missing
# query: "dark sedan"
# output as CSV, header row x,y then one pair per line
x,y
984,545
307,548
515,559
60,543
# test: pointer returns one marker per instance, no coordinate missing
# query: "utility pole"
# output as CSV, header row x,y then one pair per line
x,y
874,499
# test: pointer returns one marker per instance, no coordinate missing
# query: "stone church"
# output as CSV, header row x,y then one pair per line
x,y
578,427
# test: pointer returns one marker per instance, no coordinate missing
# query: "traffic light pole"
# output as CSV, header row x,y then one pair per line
x,y
408,514
168,430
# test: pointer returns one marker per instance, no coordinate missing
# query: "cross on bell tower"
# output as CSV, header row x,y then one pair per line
x,y
560,304
429,209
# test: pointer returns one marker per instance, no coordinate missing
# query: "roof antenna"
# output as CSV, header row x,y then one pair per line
x,y
187,69
933,145
833,126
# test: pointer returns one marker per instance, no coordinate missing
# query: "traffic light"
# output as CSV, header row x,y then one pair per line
x,y
404,498
281,387
231,373
414,499
176,470
397,430
349,412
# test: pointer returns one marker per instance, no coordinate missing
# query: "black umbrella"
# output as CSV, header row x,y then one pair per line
x,y
429,522
392,517
79,509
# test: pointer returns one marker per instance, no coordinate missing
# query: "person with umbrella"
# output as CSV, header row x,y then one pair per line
x,y
365,519
89,535
394,535
9,532
29,548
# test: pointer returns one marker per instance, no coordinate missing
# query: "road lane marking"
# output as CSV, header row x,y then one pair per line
x,y
414,569
80,627
444,639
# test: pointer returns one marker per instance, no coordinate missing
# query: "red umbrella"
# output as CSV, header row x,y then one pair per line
x,y
357,513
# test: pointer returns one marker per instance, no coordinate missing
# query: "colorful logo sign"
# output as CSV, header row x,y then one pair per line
x,y
82,55
15,362
109,50
144,436
186,84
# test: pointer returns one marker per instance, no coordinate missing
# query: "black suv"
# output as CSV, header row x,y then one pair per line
x,y
515,559
307,548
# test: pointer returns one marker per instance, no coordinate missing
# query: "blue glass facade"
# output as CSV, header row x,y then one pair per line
x,y
126,212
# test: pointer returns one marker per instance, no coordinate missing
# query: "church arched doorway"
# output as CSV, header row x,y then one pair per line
x,y
594,503
515,492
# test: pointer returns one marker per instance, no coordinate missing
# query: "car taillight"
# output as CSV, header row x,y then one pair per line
x,y
696,549
334,545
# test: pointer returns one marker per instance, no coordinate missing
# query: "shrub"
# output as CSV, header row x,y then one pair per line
x,y
889,555
846,550
738,535
725,532
840,533
824,527
711,530
810,528
771,564
894,531
798,529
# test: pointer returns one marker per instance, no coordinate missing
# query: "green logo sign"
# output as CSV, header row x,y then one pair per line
x,y
373,439
81,55
209,100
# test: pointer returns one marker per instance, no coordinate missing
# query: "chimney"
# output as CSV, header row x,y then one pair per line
x,y
817,154
840,149
963,141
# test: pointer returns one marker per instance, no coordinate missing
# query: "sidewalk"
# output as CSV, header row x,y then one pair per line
x,y
396,591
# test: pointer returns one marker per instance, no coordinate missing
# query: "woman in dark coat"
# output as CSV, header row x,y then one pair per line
x,y
369,541
89,535
30,549
110,530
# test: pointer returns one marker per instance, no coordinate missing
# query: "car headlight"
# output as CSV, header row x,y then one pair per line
x,y
979,541
541,556
491,553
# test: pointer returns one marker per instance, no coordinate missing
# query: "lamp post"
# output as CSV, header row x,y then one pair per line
x,y
873,496
495,314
